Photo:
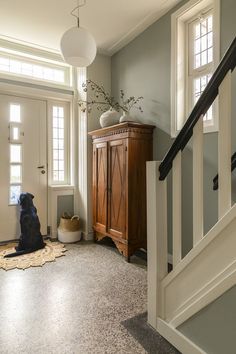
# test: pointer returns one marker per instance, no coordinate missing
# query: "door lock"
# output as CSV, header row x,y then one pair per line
x,y
43,172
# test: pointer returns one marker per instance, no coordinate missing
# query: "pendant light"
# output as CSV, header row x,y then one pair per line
x,y
78,46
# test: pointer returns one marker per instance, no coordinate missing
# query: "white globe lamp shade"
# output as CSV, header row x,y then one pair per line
x,y
78,47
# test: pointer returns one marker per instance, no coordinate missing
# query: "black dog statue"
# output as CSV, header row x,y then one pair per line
x,y
30,239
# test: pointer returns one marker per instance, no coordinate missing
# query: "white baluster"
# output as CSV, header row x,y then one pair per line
x,y
177,208
198,181
224,146
156,240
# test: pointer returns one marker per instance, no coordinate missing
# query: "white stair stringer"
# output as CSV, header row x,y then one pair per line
x,y
204,274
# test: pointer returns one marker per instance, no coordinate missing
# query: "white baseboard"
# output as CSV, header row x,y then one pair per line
x,y
177,339
88,236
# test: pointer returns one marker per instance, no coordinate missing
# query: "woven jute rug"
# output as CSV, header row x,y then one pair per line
x,y
38,258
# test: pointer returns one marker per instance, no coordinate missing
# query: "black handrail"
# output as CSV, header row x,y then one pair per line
x,y
216,178
206,99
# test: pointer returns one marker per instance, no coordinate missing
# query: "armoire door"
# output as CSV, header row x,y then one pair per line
x,y
117,188
100,187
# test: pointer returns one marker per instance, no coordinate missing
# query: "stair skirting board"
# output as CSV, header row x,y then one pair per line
x,y
177,339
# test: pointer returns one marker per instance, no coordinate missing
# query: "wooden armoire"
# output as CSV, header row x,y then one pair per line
x,y
120,153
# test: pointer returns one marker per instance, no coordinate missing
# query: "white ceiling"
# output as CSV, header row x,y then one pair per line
x,y
113,23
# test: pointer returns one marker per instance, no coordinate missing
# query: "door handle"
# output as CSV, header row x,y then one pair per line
x,y
41,167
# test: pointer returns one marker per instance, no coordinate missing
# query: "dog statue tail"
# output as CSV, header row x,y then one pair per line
x,y
21,252
18,253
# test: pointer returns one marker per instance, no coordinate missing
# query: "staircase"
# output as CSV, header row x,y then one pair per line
x,y
209,269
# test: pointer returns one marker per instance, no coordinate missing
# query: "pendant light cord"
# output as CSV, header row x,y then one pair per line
x,y
77,8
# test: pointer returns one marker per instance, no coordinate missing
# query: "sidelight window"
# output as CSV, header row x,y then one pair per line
x,y
15,154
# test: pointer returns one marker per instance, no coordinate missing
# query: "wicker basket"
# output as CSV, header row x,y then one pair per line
x,y
68,230
71,224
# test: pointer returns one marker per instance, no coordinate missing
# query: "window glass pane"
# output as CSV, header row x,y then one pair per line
x,y
15,113
197,46
197,31
197,61
15,133
61,154
15,174
55,176
61,123
203,42
61,144
15,192
37,71
199,86
61,176
203,27
15,153
15,66
209,40
209,55
209,22
22,67
203,58
58,144
60,112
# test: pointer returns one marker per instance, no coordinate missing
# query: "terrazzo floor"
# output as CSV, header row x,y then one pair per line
x,y
74,305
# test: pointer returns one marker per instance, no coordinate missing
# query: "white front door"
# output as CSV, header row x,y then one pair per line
x,y
23,160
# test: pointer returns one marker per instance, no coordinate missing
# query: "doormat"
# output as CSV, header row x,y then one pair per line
x,y
151,340
49,253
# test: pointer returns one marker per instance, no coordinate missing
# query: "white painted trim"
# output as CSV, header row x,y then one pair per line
x,y
67,150
178,60
198,181
177,209
209,293
177,339
156,239
54,193
82,151
224,146
88,236
204,275
141,26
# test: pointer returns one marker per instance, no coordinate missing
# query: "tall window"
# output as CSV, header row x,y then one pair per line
x,y
195,55
201,59
15,153
59,143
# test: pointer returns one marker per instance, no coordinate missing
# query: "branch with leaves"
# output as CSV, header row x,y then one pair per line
x,y
103,101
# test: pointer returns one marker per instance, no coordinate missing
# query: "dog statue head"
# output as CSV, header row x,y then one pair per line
x,y
26,200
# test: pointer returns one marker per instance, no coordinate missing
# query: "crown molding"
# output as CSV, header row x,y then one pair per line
x,y
141,26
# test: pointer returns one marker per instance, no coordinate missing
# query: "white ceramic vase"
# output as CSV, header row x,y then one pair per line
x,y
109,117
126,117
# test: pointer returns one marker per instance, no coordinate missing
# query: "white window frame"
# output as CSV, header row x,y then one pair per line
x,y
67,145
34,56
180,60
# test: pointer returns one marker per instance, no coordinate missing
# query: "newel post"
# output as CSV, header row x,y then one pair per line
x,y
156,240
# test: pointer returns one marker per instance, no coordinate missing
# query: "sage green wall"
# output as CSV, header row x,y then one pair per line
x,y
143,68
213,328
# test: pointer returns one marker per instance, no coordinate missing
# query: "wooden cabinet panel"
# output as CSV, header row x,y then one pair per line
x,y
100,186
119,184
117,188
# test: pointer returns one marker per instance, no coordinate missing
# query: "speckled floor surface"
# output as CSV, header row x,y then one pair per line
x,y
74,305
152,341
